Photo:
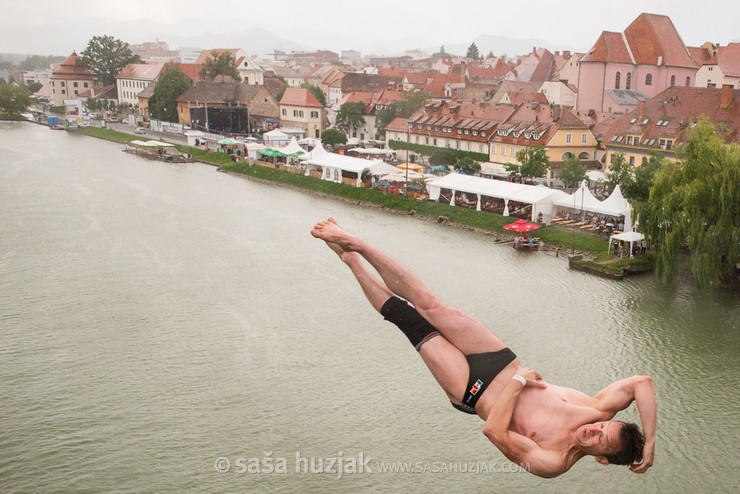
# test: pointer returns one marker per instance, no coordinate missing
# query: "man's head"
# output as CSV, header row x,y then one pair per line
x,y
611,442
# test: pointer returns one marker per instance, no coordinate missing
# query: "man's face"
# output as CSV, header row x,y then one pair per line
x,y
600,438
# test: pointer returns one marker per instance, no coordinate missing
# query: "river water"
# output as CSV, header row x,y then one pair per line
x,y
163,323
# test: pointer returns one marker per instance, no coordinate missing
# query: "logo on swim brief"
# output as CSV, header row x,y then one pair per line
x,y
476,387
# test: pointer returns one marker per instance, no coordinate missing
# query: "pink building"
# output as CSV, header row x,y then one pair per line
x,y
646,59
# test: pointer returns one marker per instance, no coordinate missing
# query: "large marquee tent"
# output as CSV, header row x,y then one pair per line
x,y
541,198
334,165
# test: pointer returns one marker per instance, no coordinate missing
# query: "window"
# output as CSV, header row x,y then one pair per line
x,y
629,140
493,149
85,85
688,81
62,83
637,141
503,149
512,151
629,80
584,138
63,91
434,141
649,80
616,80
568,138
300,113
632,161
314,114
285,112
673,80
295,113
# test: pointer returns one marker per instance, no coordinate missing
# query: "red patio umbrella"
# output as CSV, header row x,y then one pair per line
x,y
521,226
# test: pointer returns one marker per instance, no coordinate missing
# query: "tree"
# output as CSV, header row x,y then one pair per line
x,y
637,189
106,56
443,157
467,165
532,162
696,202
13,100
34,87
168,87
473,52
490,54
221,62
280,92
572,171
316,91
619,172
350,116
409,103
333,137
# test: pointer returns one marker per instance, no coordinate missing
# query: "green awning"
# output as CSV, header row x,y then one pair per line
x,y
228,140
271,152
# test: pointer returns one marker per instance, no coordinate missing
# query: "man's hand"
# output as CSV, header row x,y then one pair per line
x,y
534,379
648,453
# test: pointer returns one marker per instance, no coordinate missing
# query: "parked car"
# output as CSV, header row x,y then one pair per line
x,y
140,130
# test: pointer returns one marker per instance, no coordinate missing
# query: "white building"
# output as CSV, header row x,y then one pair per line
x,y
134,78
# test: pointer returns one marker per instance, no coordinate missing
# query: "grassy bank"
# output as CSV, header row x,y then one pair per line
x,y
485,221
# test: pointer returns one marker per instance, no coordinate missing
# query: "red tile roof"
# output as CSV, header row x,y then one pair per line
x,y
206,54
728,58
145,71
651,39
674,109
295,96
398,125
69,70
609,47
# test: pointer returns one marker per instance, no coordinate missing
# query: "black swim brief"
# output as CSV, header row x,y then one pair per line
x,y
484,367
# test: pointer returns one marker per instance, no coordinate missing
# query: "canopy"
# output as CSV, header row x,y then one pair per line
x,y
617,202
292,149
276,135
630,237
151,144
271,152
583,200
373,151
521,226
229,141
333,165
540,197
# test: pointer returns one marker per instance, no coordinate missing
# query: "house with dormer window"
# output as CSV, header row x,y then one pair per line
x,y
662,123
646,58
68,80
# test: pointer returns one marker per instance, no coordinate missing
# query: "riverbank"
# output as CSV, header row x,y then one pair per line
x,y
588,247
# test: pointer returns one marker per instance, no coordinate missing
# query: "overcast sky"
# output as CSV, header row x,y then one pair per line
x,y
574,24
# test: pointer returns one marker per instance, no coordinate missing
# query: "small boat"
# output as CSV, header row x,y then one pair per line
x,y
57,127
521,243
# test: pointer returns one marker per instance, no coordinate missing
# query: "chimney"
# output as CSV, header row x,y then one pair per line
x,y
728,93
566,53
641,109
462,73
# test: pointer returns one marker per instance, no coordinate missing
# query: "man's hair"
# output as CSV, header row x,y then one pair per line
x,y
632,444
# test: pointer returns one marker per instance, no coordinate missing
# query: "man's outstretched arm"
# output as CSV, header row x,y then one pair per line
x,y
618,396
516,447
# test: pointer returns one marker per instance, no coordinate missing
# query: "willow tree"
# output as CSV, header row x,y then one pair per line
x,y
695,203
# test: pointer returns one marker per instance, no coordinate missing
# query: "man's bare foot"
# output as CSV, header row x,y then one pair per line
x,y
343,255
329,231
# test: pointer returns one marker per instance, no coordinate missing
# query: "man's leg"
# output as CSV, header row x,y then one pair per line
x,y
465,332
446,363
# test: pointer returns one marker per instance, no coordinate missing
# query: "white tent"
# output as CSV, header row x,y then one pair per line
x,y
617,203
541,198
373,151
630,237
275,137
581,200
293,148
334,165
